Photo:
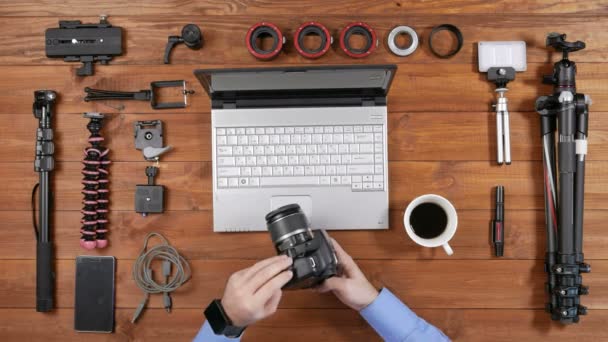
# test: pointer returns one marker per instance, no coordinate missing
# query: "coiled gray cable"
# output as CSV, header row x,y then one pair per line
x,y
142,272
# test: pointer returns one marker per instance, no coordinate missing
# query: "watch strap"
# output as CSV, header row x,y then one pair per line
x,y
220,322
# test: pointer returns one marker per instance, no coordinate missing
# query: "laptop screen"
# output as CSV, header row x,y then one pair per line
x,y
291,85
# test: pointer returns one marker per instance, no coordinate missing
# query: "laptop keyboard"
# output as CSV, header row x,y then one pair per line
x,y
329,156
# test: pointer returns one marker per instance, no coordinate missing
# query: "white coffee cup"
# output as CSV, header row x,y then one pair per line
x,y
450,229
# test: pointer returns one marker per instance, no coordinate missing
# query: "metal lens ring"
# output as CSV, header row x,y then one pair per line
x,y
260,30
312,28
392,45
364,30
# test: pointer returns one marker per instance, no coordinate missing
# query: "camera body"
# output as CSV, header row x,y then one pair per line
x,y
314,258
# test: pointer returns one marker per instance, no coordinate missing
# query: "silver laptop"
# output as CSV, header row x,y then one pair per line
x,y
315,136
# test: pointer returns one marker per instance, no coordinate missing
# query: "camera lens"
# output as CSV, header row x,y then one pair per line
x,y
285,222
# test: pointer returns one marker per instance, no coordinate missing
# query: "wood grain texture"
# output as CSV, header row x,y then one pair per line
x,y
294,7
146,37
420,88
411,137
192,233
333,324
467,184
422,283
441,140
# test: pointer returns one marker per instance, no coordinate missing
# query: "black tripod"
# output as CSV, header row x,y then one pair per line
x,y
44,101
567,112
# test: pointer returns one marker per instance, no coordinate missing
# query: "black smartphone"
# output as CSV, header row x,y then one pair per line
x,y
94,301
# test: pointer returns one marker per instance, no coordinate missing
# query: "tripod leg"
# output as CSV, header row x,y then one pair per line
x,y
507,137
579,197
567,167
548,145
499,137
579,186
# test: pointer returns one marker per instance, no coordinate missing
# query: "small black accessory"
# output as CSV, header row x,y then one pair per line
x,y
86,43
314,258
312,28
191,36
498,224
142,95
392,44
94,223
446,27
220,322
260,31
44,163
94,294
143,275
150,198
566,112
362,29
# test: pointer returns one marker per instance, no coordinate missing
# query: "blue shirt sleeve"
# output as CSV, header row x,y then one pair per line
x,y
206,335
395,322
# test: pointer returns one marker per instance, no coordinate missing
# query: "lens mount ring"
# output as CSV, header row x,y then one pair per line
x,y
290,234
312,27
264,28
446,27
392,45
363,29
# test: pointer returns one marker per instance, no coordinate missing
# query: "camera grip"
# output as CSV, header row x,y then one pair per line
x,y
45,277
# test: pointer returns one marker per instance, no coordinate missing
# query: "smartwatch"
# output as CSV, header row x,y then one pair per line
x,y
220,322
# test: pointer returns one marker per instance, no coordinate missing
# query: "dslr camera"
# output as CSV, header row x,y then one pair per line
x,y
314,258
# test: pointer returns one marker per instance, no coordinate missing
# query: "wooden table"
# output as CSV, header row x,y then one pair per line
x,y
441,140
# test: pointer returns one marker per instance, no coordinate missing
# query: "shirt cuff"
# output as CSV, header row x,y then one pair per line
x,y
394,321
206,334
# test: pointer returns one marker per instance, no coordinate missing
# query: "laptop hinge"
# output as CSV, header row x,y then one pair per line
x,y
228,105
368,102
373,101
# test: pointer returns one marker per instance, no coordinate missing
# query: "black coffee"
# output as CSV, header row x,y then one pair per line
x,y
428,220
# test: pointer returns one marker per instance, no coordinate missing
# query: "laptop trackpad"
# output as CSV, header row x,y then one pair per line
x,y
305,203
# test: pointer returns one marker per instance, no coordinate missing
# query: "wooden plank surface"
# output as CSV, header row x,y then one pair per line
x,y
422,284
467,184
417,88
173,8
411,137
192,233
441,140
224,40
460,324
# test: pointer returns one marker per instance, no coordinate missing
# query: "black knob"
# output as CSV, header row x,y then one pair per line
x,y
151,172
192,36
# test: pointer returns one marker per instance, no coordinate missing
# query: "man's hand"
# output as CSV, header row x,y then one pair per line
x,y
351,287
254,293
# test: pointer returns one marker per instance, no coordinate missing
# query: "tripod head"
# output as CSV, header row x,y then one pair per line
x,y
564,71
559,43
43,103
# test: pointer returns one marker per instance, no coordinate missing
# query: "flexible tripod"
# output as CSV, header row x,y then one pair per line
x,y
95,187
44,163
567,112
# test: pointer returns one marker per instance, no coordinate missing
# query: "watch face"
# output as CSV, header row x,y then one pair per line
x,y
216,317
